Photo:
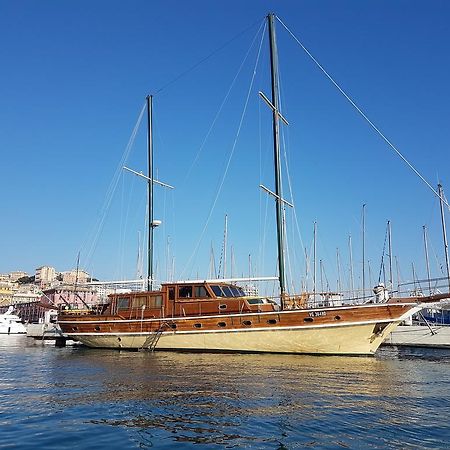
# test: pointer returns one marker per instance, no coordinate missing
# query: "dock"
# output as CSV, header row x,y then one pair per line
x,y
434,336
48,332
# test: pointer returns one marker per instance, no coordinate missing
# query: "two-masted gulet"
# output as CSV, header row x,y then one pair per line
x,y
216,315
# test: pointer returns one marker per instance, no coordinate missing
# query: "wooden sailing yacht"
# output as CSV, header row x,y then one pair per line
x,y
216,315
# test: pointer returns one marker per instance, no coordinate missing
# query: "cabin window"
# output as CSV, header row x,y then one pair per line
x,y
237,292
247,322
255,301
173,326
337,318
221,324
156,302
272,321
217,291
171,293
97,328
308,319
197,325
138,302
74,328
227,291
223,306
185,292
200,291
123,302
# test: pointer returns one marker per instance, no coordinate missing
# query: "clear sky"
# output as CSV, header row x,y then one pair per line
x,y
73,80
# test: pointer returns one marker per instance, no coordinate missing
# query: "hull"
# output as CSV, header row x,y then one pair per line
x,y
292,331
13,329
11,324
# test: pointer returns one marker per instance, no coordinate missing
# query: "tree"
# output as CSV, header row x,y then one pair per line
x,y
26,280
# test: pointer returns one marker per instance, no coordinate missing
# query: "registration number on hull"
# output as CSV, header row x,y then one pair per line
x,y
317,314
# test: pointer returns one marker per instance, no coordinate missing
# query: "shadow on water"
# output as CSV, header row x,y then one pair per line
x,y
106,398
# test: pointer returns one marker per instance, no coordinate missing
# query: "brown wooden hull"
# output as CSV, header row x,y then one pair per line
x,y
357,330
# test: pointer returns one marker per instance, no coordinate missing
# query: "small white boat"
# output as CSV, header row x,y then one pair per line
x,y
10,323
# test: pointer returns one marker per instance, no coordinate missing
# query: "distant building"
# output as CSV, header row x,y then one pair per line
x,y
103,292
250,290
14,276
45,275
75,276
6,293
69,297
25,297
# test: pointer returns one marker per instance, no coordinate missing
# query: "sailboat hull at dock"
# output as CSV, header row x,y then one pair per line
x,y
333,331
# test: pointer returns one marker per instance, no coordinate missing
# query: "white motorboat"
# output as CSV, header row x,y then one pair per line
x,y
10,323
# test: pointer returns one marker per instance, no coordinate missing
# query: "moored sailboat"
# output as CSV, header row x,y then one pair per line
x,y
216,315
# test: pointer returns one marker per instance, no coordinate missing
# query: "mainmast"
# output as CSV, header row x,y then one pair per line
x,y
276,151
150,191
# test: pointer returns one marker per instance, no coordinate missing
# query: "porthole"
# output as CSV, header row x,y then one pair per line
x,y
308,319
247,322
337,318
221,324
272,321
173,326
119,339
197,325
74,328
223,306
97,328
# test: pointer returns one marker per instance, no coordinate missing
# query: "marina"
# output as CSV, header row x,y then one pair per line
x,y
226,235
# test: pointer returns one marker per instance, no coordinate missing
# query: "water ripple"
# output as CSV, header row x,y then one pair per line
x,y
83,398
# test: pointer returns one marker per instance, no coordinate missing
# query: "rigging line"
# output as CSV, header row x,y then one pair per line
x,y
374,127
263,234
112,188
286,162
288,256
182,74
222,105
231,153
291,193
382,256
125,224
437,261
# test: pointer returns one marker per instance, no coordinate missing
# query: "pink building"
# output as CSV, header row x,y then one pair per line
x,y
66,297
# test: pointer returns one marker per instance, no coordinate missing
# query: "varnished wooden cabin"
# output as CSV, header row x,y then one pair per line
x,y
187,299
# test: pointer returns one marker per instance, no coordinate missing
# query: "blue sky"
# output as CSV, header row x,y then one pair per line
x,y
73,79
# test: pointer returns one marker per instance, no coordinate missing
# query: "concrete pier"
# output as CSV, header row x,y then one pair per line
x,y
420,336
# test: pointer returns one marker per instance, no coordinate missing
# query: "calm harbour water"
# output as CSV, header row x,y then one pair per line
x,y
76,397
